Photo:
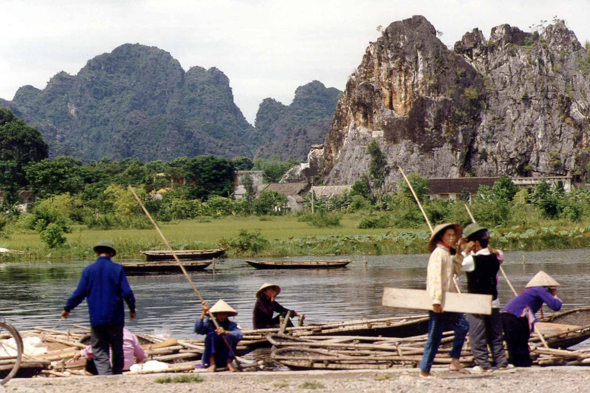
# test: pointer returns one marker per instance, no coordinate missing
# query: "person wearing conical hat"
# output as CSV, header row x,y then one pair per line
x,y
105,286
217,353
443,264
518,316
481,265
266,306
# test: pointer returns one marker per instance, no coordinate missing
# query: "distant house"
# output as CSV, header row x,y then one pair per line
x,y
328,192
531,182
293,191
239,190
25,198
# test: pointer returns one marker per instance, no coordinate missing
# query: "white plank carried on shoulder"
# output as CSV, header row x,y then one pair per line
x,y
453,302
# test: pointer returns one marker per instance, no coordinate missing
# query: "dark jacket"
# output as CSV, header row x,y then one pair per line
x,y
263,312
484,278
105,286
206,326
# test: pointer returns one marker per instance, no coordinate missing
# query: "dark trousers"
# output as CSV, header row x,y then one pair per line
x,y
215,346
105,339
484,331
437,324
517,334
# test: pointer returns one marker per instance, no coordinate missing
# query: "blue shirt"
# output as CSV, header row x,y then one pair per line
x,y
105,286
206,326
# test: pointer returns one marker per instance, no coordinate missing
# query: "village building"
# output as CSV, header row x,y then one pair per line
x,y
25,199
238,188
293,191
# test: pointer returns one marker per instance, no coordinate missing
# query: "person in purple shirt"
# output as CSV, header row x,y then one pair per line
x,y
266,306
105,287
518,316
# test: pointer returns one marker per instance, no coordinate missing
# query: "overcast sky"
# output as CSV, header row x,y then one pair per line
x,y
267,48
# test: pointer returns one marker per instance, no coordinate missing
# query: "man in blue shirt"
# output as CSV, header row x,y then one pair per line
x,y
105,286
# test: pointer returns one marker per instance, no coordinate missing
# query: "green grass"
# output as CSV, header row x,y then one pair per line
x,y
180,379
312,385
287,237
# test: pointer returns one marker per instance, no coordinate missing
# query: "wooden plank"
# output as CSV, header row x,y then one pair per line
x,y
454,302
550,328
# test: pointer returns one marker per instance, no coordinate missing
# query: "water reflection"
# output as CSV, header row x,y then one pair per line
x,y
34,294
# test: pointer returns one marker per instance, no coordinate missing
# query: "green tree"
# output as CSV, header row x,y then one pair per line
x,y
419,184
209,176
504,188
19,146
250,194
269,202
273,169
243,164
378,168
57,176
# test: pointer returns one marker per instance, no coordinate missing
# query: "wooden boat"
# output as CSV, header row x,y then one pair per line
x,y
193,255
564,329
299,264
407,326
162,267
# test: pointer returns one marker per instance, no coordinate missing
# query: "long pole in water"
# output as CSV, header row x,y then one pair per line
x,y
182,268
425,216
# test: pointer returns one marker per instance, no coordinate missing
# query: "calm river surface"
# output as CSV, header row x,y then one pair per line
x,y
33,294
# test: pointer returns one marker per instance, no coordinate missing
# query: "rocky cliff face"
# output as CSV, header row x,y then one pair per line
x,y
136,102
290,131
515,104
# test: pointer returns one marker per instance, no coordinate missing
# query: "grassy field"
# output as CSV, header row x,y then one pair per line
x,y
286,237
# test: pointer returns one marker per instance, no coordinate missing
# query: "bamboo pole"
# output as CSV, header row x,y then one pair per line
x,y
425,216
183,270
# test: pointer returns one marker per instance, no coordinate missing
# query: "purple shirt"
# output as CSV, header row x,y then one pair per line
x,y
531,299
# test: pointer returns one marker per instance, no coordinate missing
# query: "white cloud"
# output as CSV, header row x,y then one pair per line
x,y
266,47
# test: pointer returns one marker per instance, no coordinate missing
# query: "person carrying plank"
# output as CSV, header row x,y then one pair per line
x,y
442,266
518,316
217,353
481,266
105,287
266,306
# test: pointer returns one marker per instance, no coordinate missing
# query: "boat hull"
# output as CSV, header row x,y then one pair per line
x,y
299,264
163,267
192,255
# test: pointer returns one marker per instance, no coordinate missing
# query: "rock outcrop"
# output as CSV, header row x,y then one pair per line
x,y
515,104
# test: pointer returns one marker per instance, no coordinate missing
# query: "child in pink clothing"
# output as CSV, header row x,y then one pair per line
x,y
131,350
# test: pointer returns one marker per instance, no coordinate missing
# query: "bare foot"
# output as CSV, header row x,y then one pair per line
x,y
211,368
425,375
231,367
455,365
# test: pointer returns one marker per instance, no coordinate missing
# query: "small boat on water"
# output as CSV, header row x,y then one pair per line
x,y
564,329
166,255
162,267
299,264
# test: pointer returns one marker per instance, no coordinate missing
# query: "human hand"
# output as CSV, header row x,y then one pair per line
x,y
221,331
65,314
205,306
437,308
553,291
132,316
470,246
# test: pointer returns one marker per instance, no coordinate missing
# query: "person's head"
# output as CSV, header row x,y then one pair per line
x,y
542,279
105,248
221,311
448,234
269,291
480,238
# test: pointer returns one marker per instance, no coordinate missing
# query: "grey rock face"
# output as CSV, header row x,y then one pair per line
x,y
515,104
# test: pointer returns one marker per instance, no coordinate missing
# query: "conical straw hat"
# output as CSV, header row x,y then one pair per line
x,y
542,279
222,306
267,285
441,228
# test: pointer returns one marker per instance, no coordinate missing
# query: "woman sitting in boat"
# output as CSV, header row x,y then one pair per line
x,y
217,353
265,307
518,316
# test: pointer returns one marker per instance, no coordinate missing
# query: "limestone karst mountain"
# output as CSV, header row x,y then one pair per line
x,y
516,103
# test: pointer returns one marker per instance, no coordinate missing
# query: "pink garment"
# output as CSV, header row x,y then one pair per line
x,y
131,350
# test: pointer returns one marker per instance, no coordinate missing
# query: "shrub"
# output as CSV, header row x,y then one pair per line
x,y
53,236
407,214
219,206
374,221
183,209
270,202
246,241
359,202
322,219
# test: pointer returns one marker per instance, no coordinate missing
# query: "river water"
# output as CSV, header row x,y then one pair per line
x,y
33,294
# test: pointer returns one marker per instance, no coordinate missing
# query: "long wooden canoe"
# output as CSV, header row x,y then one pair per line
x,y
163,267
299,264
166,255
566,328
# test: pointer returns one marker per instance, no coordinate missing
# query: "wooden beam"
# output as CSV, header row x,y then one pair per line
x,y
453,302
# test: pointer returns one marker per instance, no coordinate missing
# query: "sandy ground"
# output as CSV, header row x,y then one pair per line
x,y
537,380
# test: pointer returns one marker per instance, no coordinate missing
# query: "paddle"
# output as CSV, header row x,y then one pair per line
x,y
183,271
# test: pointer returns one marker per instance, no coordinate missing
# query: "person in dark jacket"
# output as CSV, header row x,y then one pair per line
x,y
217,352
482,265
518,316
105,287
266,306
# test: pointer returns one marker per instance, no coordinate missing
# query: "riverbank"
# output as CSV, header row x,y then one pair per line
x,y
532,380
284,236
